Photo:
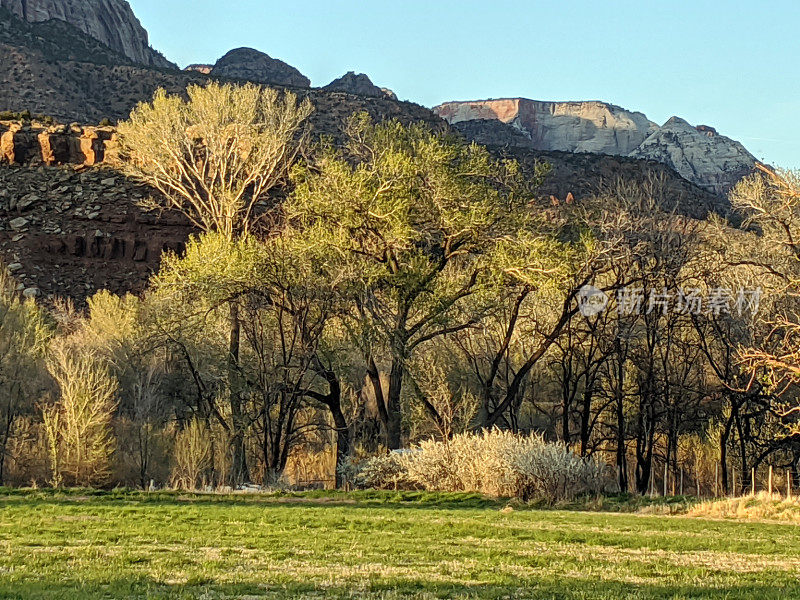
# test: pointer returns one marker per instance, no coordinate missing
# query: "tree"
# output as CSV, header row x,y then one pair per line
x,y
78,424
217,155
215,158
427,221
24,335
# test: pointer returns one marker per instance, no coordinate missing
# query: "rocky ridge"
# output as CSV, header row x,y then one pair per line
x,y
258,67
112,22
702,156
359,84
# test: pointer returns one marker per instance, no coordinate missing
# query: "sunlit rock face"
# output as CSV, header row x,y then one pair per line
x,y
699,154
567,126
109,21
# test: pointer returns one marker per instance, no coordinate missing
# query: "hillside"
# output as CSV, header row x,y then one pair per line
x,y
71,225
110,22
699,154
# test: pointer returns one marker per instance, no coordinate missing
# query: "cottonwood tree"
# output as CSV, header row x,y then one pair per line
x,y
215,157
428,221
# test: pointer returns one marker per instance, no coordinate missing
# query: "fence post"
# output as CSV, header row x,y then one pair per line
x,y
665,480
681,480
753,480
734,490
716,480
769,483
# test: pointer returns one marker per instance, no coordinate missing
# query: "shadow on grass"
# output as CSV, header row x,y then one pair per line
x,y
361,498
566,589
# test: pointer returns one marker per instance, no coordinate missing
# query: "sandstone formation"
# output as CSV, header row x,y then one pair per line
x,y
69,232
359,84
255,66
33,143
700,154
566,126
109,21
200,68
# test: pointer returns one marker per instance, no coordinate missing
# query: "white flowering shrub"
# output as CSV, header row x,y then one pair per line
x,y
497,463
379,472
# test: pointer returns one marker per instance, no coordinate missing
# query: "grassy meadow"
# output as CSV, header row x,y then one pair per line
x,y
85,544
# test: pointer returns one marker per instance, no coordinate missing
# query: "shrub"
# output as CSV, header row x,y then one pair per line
x,y
379,472
497,463
193,456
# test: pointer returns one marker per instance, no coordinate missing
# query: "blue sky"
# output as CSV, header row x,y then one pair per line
x,y
730,64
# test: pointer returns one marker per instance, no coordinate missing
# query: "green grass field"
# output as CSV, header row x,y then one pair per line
x,y
375,545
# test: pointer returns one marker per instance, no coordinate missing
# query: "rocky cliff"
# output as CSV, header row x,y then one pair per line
x,y
698,153
359,84
702,156
110,21
252,65
565,126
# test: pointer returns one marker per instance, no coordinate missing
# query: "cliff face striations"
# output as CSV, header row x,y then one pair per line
x,y
109,21
699,154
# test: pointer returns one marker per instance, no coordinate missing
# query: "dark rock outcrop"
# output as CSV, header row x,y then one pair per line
x,y
359,84
255,66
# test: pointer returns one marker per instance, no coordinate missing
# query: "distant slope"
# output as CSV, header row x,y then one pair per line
x,y
699,154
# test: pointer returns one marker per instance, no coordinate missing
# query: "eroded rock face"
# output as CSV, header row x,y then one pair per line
x,y
252,65
109,21
699,154
566,126
26,143
69,232
359,84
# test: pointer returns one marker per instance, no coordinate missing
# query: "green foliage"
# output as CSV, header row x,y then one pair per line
x,y
25,332
366,545
216,155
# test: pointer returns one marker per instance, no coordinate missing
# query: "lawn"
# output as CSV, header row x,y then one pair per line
x,y
375,545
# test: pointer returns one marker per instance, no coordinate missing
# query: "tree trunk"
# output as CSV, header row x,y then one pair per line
x,y
393,429
333,400
586,416
622,459
239,471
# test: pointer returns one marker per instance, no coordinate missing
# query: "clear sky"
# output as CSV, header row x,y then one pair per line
x,y
731,64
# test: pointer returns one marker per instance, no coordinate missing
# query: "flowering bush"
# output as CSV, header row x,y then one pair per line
x,y
497,463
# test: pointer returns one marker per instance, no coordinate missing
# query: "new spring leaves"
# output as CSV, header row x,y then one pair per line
x,y
635,301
